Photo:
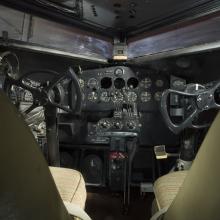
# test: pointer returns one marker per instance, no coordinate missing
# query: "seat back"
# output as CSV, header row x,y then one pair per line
x,y
27,189
199,197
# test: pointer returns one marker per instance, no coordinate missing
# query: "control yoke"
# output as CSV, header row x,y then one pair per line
x,y
49,93
200,97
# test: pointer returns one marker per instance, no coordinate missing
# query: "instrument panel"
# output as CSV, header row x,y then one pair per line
x,y
106,88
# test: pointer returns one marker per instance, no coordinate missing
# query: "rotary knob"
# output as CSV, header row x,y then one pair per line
x,y
118,125
104,124
131,125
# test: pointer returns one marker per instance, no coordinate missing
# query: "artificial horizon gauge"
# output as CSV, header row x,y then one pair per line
x,y
146,83
132,96
145,96
105,97
157,96
93,97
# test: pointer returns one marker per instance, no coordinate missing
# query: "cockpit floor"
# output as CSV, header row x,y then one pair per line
x,y
108,206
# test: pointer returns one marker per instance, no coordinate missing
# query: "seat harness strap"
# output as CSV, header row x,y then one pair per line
x,y
76,211
158,215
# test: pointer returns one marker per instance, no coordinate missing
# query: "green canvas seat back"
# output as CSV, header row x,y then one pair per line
x,y
27,190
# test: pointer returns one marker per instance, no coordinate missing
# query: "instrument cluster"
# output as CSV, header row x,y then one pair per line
x,y
106,88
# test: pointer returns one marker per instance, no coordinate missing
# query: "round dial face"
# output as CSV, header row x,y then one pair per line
x,y
92,83
157,96
146,83
132,96
159,83
119,72
145,96
93,97
81,83
105,97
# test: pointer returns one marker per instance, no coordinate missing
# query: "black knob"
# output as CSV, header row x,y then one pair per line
x,y
117,125
131,125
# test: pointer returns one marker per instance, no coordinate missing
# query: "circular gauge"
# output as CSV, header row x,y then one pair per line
x,y
105,97
92,83
106,83
132,96
159,83
146,83
157,96
117,97
145,96
81,83
132,83
119,83
93,97
119,72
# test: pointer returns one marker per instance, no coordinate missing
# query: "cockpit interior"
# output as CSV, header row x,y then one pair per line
x,y
109,110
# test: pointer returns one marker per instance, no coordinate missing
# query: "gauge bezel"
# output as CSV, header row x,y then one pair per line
x,y
143,83
94,86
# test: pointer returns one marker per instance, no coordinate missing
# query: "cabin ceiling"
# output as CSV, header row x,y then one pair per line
x,y
87,28
118,17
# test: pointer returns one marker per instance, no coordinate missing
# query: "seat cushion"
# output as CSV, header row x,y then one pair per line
x,y
70,184
167,187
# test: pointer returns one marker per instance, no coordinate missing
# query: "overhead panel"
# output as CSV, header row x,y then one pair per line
x,y
118,17
134,16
